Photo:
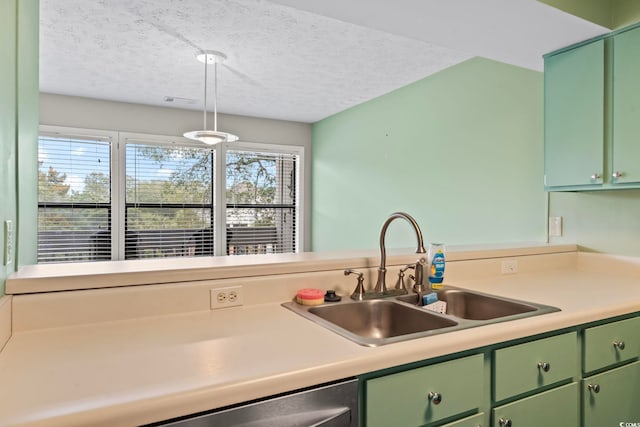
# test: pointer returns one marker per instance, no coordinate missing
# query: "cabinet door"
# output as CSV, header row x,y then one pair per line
x,y
407,398
574,116
611,398
557,407
626,107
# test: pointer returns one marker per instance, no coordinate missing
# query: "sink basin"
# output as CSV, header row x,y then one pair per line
x,y
474,306
380,318
392,319
478,306
374,322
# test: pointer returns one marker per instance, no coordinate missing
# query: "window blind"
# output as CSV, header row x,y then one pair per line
x,y
261,202
169,201
74,199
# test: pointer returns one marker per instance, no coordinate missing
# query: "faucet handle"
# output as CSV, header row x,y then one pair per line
x,y
358,293
400,283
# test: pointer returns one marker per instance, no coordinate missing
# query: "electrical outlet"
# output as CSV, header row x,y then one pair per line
x,y
555,226
509,266
8,242
226,297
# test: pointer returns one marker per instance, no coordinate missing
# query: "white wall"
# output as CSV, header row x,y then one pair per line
x,y
61,110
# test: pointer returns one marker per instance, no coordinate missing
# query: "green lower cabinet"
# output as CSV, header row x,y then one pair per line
x,y
611,344
472,421
425,395
558,407
541,363
612,398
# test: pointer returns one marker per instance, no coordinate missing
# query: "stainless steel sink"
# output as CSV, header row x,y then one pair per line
x,y
479,306
384,321
380,319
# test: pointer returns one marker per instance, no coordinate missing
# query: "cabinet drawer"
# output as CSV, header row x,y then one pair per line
x,y
603,344
403,398
472,421
557,407
612,398
525,367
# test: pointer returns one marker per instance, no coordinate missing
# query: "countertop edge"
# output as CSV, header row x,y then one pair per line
x,y
96,275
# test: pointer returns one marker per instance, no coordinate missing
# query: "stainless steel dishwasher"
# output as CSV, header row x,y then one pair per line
x,y
333,405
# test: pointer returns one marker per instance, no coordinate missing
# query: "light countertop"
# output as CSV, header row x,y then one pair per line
x,y
137,371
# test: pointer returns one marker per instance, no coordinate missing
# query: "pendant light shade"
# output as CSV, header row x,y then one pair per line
x,y
211,137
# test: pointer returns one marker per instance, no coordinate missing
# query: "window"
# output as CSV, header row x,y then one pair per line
x,y
74,198
169,208
131,196
261,202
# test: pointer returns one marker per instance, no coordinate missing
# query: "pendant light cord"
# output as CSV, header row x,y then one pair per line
x,y
215,95
204,119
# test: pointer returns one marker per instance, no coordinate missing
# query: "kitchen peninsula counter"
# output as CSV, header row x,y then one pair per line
x,y
132,371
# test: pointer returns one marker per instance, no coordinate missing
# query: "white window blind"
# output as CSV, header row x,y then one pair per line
x,y
105,195
169,208
261,202
74,199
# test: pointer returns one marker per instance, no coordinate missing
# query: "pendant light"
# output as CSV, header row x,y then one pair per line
x,y
211,137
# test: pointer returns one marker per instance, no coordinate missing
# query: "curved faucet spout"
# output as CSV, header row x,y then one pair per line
x,y
381,286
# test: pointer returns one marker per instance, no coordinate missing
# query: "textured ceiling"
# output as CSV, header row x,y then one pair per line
x,y
283,63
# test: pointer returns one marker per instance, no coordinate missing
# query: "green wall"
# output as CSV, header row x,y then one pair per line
x,y
600,221
625,12
608,13
460,150
18,129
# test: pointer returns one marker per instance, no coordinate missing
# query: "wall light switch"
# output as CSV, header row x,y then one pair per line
x,y
8,242
555,226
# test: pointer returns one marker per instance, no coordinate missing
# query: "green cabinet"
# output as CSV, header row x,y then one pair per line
x,y
574,116
611,398
592,114
472,421
556,407
526,367
626,108
425,395
588,376
610,344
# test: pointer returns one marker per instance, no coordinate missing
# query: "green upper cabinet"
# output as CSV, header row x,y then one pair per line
x,y
626,108
574,116
592,114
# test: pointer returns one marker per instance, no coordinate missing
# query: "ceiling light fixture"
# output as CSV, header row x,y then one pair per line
x,y
211,137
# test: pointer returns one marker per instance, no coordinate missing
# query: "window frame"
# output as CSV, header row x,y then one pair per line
x,y
263,148
118,178
95,134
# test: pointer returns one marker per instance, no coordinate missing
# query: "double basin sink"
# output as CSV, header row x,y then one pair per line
x,y
383,321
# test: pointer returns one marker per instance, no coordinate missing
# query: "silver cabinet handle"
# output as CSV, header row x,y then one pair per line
x,y
545,366
596,176
619,345
504,422
435,398
617,175
594,388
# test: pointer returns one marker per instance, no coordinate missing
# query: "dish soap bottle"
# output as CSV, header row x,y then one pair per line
x,y
436,257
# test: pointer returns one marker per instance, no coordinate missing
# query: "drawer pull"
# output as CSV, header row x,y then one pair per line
x,y
596,176
594,388
435,398
504,422
545,366
619,345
